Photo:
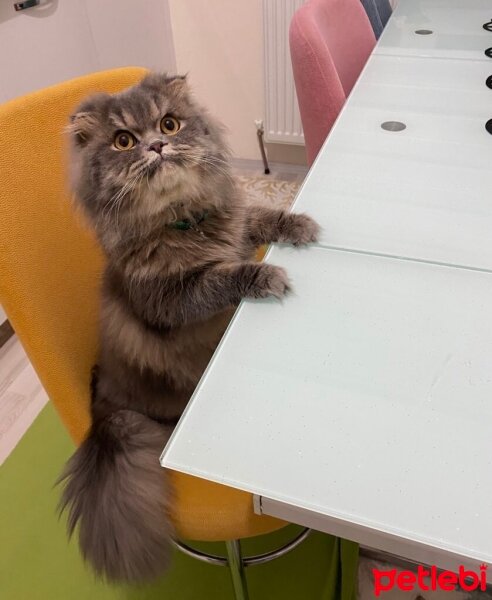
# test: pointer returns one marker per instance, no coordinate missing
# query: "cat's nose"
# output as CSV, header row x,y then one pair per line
x,y
157,146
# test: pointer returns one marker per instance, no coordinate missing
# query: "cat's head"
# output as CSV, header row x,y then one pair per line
x,y
144,150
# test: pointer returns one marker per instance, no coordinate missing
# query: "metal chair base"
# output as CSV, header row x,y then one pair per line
x,y
237,563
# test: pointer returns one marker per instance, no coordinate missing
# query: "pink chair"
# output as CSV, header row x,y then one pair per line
x,y
330,41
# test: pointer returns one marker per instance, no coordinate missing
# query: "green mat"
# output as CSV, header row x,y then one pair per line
x,y
37,562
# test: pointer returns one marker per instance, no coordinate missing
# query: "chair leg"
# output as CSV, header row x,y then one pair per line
x,y
236,567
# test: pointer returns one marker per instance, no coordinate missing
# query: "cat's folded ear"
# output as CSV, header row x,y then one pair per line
x,y
86,119
176,84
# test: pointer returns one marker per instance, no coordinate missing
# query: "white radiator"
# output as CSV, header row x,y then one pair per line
x,y
282,119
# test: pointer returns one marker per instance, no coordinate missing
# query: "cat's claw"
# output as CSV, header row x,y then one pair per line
x,y
302,230
270,281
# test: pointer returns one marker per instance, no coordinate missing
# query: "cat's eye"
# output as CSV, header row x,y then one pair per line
x,y
124,140
170,125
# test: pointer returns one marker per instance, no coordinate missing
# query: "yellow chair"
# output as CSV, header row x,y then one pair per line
x,y
50,265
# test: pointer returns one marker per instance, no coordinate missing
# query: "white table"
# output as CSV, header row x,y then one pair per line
x,y
456,26
361,405
424,192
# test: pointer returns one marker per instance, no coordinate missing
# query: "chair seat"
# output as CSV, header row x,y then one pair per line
x,y
211,512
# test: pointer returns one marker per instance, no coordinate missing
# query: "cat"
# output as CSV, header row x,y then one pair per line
x,y
150,170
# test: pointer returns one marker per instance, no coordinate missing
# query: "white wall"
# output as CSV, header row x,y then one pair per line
x,y
61,39
132,32
220,44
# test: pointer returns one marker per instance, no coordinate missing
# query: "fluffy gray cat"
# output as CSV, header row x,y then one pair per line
x,y
150,170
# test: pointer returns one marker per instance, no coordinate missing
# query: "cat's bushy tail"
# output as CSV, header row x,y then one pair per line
x,y
116,493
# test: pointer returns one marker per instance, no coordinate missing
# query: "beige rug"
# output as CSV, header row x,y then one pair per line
x,y
268,190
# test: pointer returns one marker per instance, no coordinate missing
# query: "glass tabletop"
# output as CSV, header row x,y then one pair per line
x,y
364,395
422,191
438,28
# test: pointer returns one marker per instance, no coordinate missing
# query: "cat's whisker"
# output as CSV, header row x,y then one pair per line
x,y
175,216
133,185
136,166
218,164
108,207
211,160
114,203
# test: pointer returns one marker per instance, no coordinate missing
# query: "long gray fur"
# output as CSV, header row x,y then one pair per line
x,y
167,297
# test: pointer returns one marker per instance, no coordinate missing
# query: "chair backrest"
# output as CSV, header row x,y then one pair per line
x,y
49,261
378,12
330,41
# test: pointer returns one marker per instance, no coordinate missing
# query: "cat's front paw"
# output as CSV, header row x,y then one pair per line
x,y
301,229
269,280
